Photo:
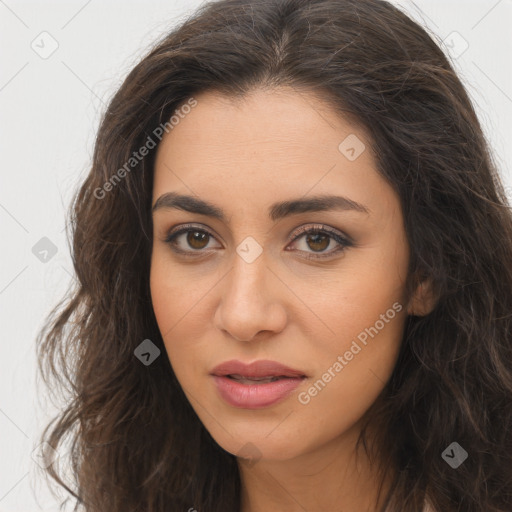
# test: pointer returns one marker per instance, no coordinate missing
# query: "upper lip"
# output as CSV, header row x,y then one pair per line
x,y
262,368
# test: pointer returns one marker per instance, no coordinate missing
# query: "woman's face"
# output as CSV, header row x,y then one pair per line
x,y
247,284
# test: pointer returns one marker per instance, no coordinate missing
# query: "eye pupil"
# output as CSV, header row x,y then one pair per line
x,y
315,240
197,237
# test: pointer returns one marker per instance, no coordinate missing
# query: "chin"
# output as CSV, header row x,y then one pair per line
x,y
254,445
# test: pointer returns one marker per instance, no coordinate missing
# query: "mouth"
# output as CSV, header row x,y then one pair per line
x,y
255,371
255,385
258,380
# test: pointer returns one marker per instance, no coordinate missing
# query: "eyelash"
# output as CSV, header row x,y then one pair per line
x,y
313,230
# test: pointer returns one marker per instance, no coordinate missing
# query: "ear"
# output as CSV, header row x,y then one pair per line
x,y
423,300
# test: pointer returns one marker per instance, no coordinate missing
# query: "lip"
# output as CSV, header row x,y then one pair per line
x,y
261,368
255,396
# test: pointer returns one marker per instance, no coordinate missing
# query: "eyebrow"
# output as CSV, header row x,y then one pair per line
x,y
276,211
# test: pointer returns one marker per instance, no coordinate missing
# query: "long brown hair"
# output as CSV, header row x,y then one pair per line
x,y
135,443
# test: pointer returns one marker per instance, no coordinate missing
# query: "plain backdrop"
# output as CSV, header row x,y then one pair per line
x,y
49,109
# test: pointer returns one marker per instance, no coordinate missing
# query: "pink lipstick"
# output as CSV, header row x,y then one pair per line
x,y
256,385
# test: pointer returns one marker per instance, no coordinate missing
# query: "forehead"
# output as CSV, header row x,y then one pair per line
x,y
267,146
272,120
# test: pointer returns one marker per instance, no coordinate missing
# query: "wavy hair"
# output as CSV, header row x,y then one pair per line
x,y
135,443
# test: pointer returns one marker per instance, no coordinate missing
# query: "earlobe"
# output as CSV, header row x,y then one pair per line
x,y
423,300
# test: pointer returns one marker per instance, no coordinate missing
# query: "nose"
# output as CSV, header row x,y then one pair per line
x,y
250,301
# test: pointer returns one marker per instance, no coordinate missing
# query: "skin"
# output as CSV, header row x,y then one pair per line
x,y
276,145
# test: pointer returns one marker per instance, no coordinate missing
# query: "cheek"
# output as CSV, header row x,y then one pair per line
x,y
365,312
175,292
179,304
352,373
168,311
342,306
161,292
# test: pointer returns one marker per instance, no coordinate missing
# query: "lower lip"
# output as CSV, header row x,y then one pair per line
x,y
255,396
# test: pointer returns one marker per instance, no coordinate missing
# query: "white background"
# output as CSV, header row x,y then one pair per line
x,y
49,111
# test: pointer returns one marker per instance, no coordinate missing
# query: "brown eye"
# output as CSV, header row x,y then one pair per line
x,y
317,239
317,242
197,239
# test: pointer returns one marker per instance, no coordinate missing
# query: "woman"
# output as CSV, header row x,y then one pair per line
x,y
293,253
